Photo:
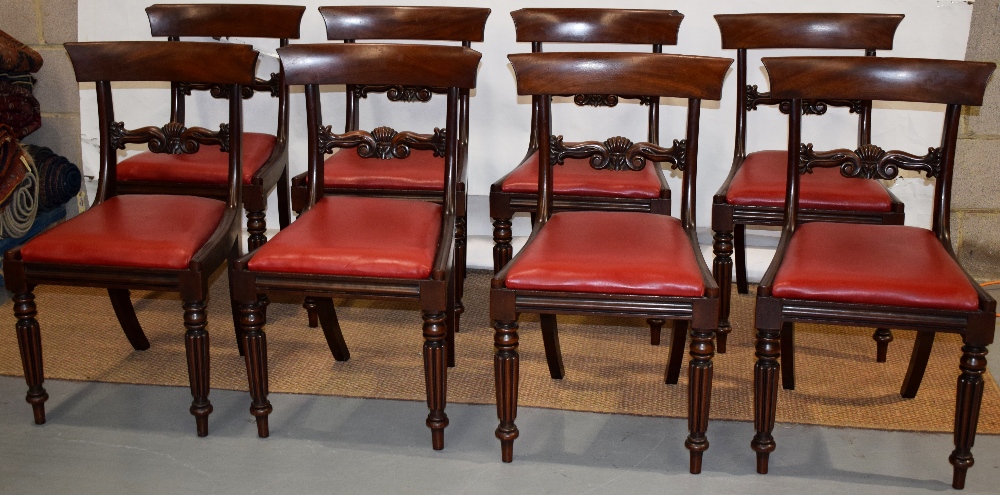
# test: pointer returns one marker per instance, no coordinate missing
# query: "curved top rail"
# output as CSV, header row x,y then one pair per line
x,y
652,27
404,23
220,20
843,31
215,63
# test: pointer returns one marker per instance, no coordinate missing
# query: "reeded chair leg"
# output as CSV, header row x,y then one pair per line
x,y
788,356
125,312
676,359
765,394
255,342
234,305
740,248
550,339
505,364
29,341
436,374
918,364
722,268
882,337
655,326
284,205
461,240
256,227
451,320
968,400
196,345
699,394
502,249
327,315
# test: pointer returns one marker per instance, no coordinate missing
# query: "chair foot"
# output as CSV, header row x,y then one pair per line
x,y
201,420
37,400
762,462
310,306
437,438
882,337
655,326
507,450
262,429
696,462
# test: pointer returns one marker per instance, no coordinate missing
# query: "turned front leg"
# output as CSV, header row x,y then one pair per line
x,y
436,374
502,249
699,394
29,341
196,345
968,401
765,394
255,342
256,227
722,268
505,365
461,239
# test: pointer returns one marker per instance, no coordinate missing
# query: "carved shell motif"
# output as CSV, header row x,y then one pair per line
x,y
596,100
869,156
616,160
383,142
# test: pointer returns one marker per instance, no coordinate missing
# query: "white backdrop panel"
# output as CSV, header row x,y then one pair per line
x,y
499,118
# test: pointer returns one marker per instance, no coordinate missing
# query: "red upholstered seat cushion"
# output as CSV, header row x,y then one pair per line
x,y
356,236
760,181
874,264
150,231
208,166
614,252
577,178
420,171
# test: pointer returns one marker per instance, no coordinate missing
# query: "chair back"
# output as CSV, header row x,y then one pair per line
x,y
869,32
614,26
218,21
543,75
450,67
950,82
225,66
350,23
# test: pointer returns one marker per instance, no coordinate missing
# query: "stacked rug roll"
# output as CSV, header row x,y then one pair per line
x,y
58,178
18,107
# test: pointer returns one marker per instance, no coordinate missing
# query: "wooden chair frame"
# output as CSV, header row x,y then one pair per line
x,y
311,66
464,25
954,83
103,63
224,20
543,75
742,32
592,25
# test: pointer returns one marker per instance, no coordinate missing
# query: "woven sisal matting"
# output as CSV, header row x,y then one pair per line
x,y
610,366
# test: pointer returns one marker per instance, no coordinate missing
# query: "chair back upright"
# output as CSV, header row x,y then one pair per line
x,y
542,75
225,66
450,67
869,32
592,25
950,82
218,21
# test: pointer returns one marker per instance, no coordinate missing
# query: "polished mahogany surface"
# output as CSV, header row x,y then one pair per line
x,y
151,61
808,30
376,22
644,27
225,20
377,63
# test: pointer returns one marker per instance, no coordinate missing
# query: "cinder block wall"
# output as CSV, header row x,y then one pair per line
x,y
975,219
45,25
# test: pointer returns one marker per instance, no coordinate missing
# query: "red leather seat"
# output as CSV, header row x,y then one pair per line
x,y
151,231
208,166
760,181
356,236
638,253
420,171
872,264
576,177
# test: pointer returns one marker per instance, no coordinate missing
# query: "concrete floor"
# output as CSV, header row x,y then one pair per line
x,y
109,439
